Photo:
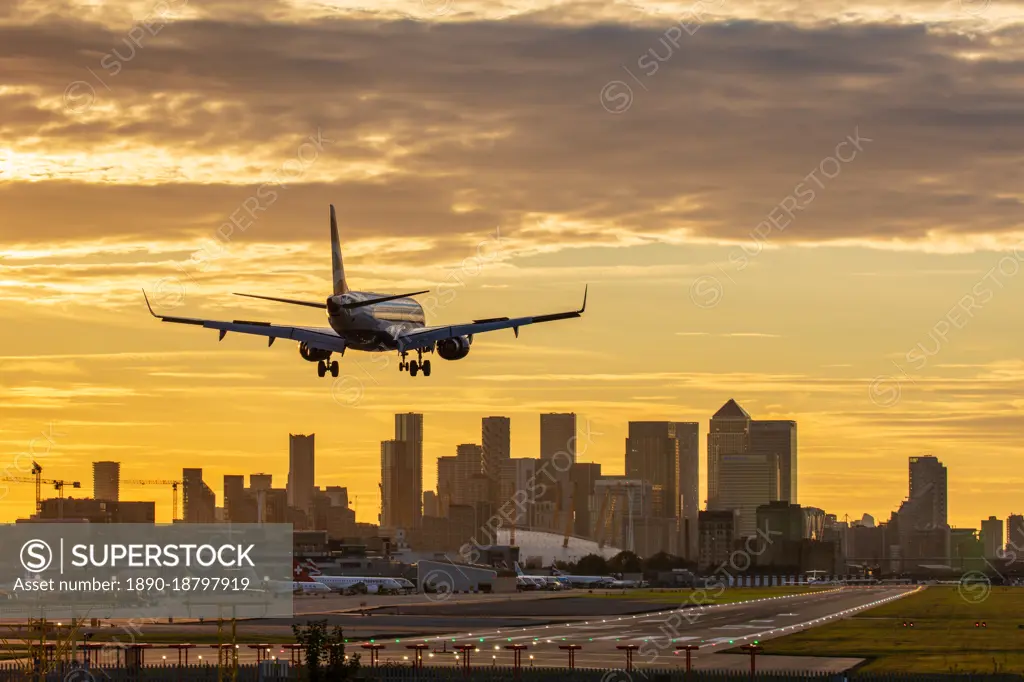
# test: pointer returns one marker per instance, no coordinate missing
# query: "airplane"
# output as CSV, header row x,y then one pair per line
x,y
588,580
349,584
529,582
817,578
541,582
556,582
301,583
369,322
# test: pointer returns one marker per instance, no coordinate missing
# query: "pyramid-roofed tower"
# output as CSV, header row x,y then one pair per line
x,y
731,410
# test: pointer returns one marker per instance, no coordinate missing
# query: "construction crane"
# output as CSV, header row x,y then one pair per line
x,y
606,521
174,491
37,471
37,478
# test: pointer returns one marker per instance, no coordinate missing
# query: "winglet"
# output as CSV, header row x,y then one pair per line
x,y
585,287
148,305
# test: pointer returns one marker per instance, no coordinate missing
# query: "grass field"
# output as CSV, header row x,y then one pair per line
x,y
942,637
712,595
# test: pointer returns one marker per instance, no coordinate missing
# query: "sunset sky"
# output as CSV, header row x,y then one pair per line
x,y
813,208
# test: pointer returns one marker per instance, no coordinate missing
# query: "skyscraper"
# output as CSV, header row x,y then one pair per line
x,y
401,464
518,484
584,476
558,435
399,507
921,531
728,434
496,437
234,497
557,454
106,481
688,487
1015,533
409,427
199,504
746,482
469,463
446,481
430,503
778,437
301,472
992,537
652,452
928,478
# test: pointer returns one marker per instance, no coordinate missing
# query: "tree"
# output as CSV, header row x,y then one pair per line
x,y
663,561
592,564
325,652
625,562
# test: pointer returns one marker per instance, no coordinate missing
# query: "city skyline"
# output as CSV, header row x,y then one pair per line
x,y
370,508
883,315
469,299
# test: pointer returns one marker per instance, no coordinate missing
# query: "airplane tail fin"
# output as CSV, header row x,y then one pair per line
x,y
337,266
519,571
299,573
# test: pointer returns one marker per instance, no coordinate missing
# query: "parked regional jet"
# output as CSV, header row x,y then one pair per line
x,y
301,583
370,322
587,580
348,584
529,582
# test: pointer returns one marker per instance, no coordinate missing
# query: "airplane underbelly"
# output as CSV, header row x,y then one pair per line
x,y
371,333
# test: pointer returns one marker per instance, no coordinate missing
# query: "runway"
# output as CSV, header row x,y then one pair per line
x,y
655,635
544,623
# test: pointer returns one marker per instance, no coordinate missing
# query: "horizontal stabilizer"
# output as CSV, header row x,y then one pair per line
x,y
382,299
292,301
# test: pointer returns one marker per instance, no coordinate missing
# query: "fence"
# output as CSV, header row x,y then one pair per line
x,y
274,671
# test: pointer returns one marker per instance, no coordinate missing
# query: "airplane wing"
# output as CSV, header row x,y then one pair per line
x,y
323,338
425,336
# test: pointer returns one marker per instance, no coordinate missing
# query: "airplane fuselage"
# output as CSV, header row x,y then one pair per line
x,y
375,327
340,583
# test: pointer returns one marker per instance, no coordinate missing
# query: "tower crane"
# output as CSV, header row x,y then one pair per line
x,y
37,478
157,481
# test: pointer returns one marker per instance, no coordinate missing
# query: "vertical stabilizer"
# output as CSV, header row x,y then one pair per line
x,y
299,573
337,267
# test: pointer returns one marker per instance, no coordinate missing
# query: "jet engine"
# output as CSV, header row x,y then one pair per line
x,y
453,349
313,354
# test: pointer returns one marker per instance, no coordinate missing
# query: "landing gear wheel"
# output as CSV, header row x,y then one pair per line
x,y
334,369
414,367
426,368
321,368
401,366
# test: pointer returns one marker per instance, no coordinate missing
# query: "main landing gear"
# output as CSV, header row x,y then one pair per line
x,y
414,367
322,368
